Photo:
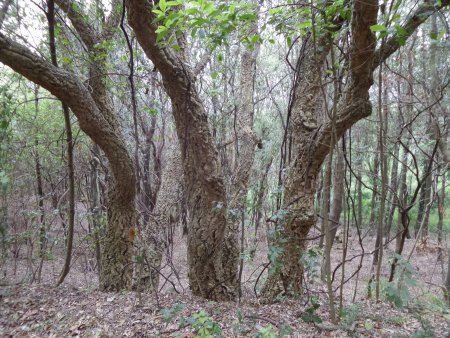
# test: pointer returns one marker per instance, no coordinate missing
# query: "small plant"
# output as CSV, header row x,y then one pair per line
x,y
426,330
204,326
169,314
398,293
286,330
239,327
311,261
349,315
310,315
266,332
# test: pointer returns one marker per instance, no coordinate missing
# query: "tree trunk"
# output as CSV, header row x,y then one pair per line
x,y
393,191
166,213
244,156
91,104
205,191
95,203
70,166
40,194
338,193
311,141
373,203
424,200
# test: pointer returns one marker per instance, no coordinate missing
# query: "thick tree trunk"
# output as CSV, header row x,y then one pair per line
x,y
311,141
205,191
93,109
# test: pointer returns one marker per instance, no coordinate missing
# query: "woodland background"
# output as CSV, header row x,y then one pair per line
x,y
224,168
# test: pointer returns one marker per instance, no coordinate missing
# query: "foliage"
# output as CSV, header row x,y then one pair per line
x,y
349,315
266,332
204,326
310,315
312,260
426,330
208,20
169,314
398,293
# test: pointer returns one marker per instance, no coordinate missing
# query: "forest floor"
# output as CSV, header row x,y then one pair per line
x,y
77,308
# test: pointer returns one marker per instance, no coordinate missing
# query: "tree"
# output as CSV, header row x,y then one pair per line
x,y
91,105
205,189
311,141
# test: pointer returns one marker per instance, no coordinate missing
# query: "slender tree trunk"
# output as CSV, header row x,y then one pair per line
x,y
95,204
447,282
40,195
244,156
403,220
70,166
441,211
393,191
166,213
360,200
424,200
382,115
338,193
375,178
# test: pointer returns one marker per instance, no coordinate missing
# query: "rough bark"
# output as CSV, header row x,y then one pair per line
x,y
91,105
205,191
311,141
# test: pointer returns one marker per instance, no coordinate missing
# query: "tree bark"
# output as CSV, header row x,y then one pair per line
x,y
91,105
204,184
311,141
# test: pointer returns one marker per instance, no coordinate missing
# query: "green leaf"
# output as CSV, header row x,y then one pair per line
x,y
162,4
378,28
139,259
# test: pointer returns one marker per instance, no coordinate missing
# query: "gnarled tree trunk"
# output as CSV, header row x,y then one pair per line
x,y
311,141
205,190
91,105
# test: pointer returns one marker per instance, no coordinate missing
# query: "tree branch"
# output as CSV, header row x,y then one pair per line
x,y
83,28
422,13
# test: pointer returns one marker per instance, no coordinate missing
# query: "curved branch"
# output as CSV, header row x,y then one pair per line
x,y
422,13
68,88
86,31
